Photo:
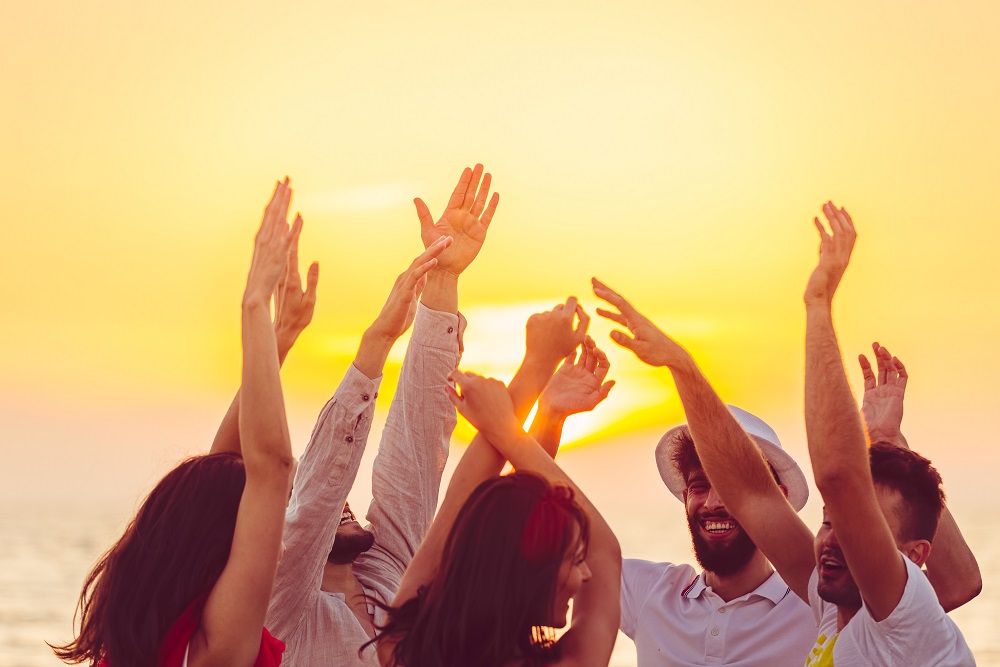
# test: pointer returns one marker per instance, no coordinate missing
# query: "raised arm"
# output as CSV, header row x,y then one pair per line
x,y
231,624
837,445
732,460
293,309
591,637
330,462
951,566
578,386
551,337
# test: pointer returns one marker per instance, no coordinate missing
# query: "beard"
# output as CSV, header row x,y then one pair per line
x,y
723,559
839,589
351,541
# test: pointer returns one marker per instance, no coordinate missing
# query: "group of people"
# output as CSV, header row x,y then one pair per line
x,y
244,557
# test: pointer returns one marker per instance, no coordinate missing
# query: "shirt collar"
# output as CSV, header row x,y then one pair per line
x,y
774,589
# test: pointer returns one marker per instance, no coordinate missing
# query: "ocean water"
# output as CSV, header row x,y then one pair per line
x,y
47,548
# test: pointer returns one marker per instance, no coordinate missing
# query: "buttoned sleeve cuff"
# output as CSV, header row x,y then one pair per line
x,y
438,329
357,392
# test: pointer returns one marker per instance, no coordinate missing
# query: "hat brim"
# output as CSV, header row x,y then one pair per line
x,y
789,473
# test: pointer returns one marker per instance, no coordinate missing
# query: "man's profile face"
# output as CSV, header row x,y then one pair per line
x,y
351,540
835,583
720,543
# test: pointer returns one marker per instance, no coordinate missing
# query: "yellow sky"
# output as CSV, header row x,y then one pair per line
x,y
676,150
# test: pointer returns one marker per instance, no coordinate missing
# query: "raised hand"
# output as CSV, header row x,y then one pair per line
x,y
580,386
645,339
401,306
551,335
466,219
271,245
293,306
834,254
486,403
882,405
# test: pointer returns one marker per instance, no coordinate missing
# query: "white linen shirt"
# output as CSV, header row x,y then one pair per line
x,y
318,627
917,632
676,620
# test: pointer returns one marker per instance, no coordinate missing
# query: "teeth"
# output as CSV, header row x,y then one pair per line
x,y
719,526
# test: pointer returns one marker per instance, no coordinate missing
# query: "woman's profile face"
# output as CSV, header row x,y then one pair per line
x,y
573,573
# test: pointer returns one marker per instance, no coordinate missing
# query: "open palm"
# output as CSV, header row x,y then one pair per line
x,y
466,219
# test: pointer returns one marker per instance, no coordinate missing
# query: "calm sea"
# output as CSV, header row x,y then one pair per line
x,y
46,548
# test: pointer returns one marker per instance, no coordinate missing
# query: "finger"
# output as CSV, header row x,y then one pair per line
x,y
820,229
272,203
584,323
312,280
606,388
456,400
571,303
283,203
623,339
414,275
902,376
424,215
421,284
484,190
458,195
614,317
583,360
458,376
883,360
293,253
605,293
603,364
470,190
866,372
433,250
591,362
487,215
570,360
848,222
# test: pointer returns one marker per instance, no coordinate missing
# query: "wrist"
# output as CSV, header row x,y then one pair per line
x,y
255,300
550,414
441,291
539,364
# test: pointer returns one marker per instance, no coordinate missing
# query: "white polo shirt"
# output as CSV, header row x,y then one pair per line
x,y
676,620
917,632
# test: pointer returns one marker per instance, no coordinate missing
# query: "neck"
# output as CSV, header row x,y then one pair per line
x,y
753,574
844,615
340,579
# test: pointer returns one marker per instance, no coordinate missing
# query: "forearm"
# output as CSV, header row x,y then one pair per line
x,y
227,438
732,461
262,423
441,291
951,566
834,430
547,429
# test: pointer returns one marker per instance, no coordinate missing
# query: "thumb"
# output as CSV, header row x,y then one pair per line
x,y
423,214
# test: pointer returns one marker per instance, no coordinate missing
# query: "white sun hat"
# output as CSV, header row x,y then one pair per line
x,y
788,470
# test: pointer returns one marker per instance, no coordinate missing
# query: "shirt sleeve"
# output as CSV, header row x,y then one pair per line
x,y
406,474
638,579
325,475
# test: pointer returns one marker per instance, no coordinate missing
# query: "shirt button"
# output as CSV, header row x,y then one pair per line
x,y
349,438
722,611
376,394
715,632
451,329
365,397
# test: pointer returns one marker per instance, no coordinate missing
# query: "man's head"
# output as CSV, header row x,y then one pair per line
x,y
351,541
909,493
720,544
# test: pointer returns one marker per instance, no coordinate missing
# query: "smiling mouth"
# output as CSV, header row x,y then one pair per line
x,y
346,517
828,565
718,527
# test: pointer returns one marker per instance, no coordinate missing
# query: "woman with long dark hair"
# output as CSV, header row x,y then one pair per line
x,y
506,554
189,581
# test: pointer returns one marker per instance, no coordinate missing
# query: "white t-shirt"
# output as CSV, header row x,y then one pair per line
x,y
676,620
917,632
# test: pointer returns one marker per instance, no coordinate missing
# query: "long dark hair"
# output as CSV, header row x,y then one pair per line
x,y
172,553
495,586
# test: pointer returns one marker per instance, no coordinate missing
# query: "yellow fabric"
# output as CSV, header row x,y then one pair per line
x,y
822,653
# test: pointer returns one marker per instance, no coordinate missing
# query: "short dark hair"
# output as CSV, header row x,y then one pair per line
x,y
685,457
918,484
